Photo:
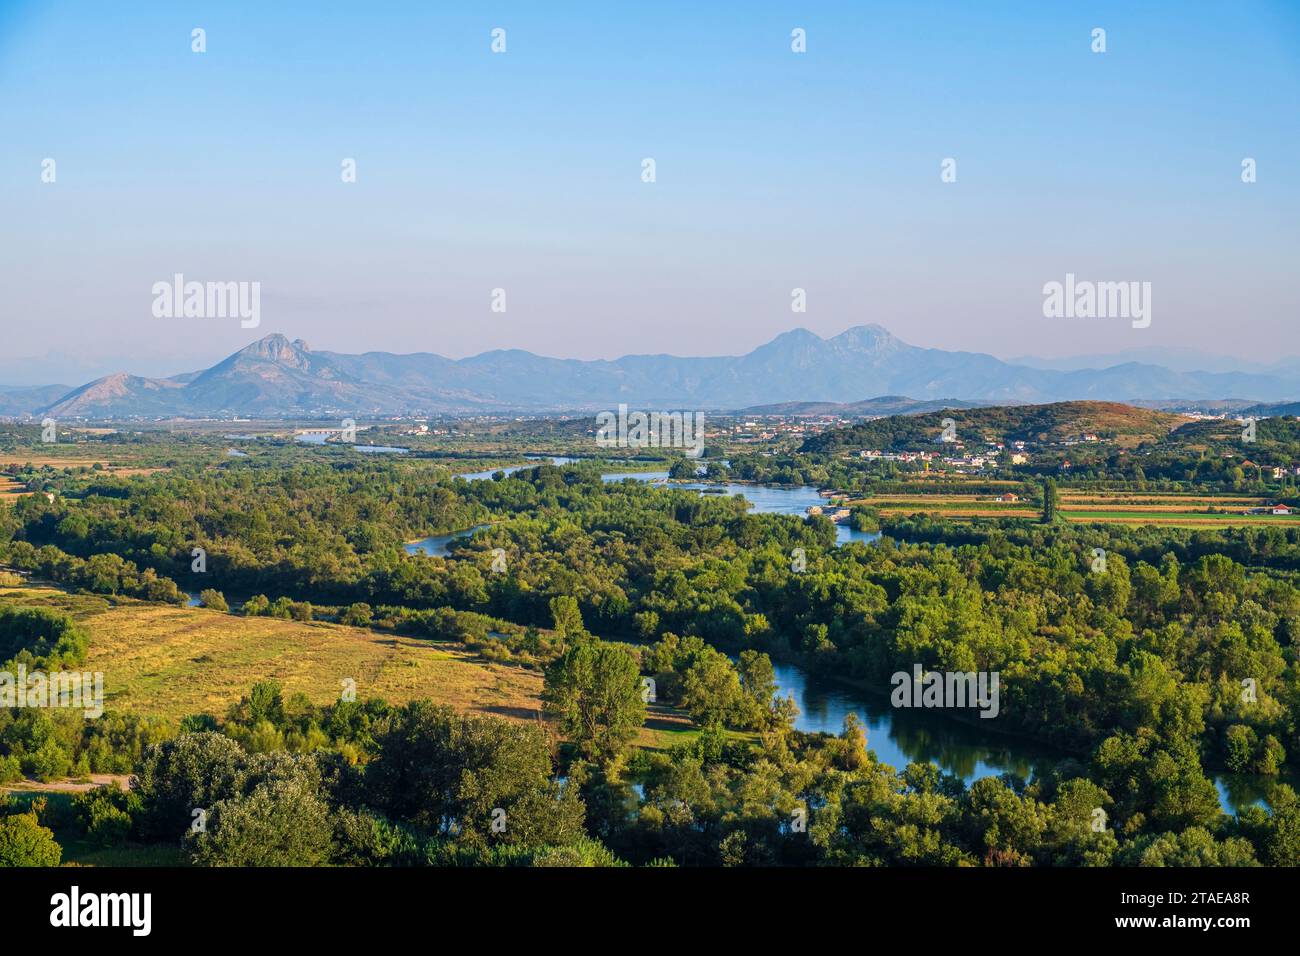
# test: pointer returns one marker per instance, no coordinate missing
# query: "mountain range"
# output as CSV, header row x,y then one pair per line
x,y
275,377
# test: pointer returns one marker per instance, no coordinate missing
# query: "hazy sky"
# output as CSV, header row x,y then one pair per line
x,y
523,171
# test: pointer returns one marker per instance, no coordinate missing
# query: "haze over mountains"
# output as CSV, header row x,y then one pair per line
x,y
276,377
1176,359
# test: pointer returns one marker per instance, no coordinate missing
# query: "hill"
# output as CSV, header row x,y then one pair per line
x,y
1279,410
1037,424
867,408
22,402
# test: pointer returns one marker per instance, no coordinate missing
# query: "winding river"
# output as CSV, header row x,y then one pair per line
x,y
898,736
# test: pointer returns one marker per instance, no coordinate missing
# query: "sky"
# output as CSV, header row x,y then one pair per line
x,y
523,171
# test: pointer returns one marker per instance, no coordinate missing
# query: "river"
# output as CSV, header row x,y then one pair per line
x,y
898,736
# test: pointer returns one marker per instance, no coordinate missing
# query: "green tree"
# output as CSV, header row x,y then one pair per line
x,y
1282,844
1051,501
711,691
1079,831
567,617
853,742
687,468
594,690
191,772
757,677
450,773
1007,827
1240,743
1195,846
280,820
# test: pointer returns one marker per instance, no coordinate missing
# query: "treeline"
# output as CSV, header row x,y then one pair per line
x,y
419,785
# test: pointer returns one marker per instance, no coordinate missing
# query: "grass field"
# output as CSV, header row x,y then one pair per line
x,y
170,661
167,661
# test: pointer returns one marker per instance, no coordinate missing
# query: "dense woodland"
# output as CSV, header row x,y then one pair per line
x,y
1136,673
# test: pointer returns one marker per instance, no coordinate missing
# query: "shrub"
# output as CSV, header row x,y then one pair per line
x,y
213,599
105,814
358,615
24,842
11,769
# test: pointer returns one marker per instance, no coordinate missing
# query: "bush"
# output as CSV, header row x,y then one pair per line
x,y
358,615
214,600
282,609
110,827
24,842
364,839
11,769
50,762
585,852
105,814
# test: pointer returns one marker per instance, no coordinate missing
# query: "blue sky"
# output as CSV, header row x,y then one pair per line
x,y
521,171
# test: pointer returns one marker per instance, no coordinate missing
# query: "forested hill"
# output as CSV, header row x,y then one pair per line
x,y
1058,422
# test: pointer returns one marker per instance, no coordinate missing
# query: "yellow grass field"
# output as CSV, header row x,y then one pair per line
x,y
168,661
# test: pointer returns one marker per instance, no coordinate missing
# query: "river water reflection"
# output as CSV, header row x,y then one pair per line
x,y
898,736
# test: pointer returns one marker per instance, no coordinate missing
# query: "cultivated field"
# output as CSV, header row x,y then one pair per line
x,y
1127,507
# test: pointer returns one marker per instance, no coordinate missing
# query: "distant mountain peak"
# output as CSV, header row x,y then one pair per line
x,y
798,334
278,377
278,349
795,341
871,338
